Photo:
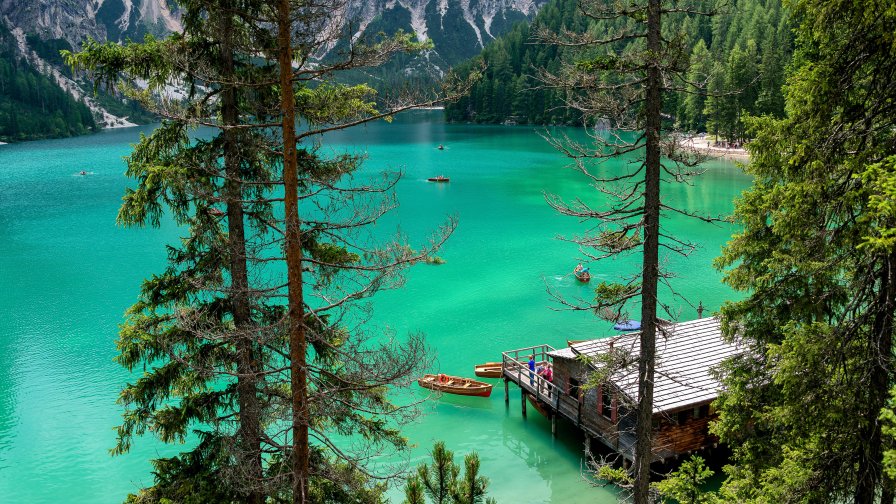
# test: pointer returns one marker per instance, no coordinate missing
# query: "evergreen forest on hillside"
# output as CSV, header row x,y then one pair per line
x,y
31,105
738,56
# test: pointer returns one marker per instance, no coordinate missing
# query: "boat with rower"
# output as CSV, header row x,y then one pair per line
x,y
440,178
455,385
582,274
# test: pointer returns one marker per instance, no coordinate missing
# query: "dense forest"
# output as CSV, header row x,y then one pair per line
x,y
31,105
737,55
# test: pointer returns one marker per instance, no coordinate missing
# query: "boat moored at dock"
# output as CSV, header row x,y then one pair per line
x,y
489,370
455,385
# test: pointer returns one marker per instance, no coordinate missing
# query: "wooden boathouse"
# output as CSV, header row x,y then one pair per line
x,y
683,390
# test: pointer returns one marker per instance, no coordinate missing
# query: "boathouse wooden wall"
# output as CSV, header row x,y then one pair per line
x,y
676,433
611,425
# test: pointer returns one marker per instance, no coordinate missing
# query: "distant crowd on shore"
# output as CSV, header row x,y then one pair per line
x,y
715,148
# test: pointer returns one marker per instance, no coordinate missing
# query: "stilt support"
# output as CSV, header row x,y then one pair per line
x,y
523,403
506,391
553,424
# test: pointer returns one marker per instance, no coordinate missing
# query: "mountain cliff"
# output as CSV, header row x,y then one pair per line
x,y
76,20
458,29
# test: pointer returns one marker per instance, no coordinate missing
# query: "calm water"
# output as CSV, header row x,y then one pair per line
x,y
68,274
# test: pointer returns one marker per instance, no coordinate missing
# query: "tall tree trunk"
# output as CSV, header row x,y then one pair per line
x,y
887,495
296,317
249,428
650,275
871,455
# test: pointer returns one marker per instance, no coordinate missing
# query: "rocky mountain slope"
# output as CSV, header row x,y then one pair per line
x,y
458,29
76,20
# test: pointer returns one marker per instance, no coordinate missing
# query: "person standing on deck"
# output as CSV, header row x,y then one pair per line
x,y
532,370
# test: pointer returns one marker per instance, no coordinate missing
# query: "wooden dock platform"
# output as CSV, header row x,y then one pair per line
x,y
556,401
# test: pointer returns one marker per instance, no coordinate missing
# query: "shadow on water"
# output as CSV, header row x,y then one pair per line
x,y
478,403
529,439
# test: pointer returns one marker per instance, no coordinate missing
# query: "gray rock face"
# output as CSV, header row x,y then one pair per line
x,y
77,20
458,28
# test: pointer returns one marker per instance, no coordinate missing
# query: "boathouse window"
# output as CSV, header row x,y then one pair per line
x,y
683,416
606,402
701,411
574,387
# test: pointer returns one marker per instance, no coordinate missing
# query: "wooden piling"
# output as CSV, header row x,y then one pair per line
x,y
523,397
506,391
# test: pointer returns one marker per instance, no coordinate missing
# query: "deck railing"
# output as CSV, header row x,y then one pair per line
x,y
515,366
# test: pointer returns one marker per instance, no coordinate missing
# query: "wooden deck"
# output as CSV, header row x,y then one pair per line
x,y
515,369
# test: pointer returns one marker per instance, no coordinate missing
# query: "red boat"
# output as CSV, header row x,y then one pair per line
x,y
455,385
440,178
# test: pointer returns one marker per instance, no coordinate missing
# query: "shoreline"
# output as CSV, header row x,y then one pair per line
x,y
701,144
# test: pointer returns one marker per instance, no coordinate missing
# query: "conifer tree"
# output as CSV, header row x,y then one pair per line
x,y
617,80
443,483
232,349
817,261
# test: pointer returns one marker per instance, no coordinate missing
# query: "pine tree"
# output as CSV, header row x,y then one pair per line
x,y
443,483
817,260
619,84
232,349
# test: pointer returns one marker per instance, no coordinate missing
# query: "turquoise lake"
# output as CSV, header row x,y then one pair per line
x,y
69,273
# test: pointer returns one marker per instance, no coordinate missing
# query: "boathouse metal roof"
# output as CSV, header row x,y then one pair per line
x,y
685,354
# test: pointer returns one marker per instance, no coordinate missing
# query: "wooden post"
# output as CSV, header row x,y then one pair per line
x,y
554,424
506,391
523,397
613,414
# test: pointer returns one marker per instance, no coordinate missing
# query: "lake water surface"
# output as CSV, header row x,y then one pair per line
x,y
69,273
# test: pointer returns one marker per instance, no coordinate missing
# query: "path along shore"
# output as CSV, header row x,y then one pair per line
x,y
702,144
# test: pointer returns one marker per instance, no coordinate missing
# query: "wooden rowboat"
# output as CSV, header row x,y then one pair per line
x,y
582,276
440,178
455,385
489,370
539,407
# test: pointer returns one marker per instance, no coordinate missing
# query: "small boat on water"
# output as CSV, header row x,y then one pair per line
x,y
582,274
627,325
489,370
455,385
440,178
539,407
441,147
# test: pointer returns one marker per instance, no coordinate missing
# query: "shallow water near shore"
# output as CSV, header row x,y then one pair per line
x,y
69,273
